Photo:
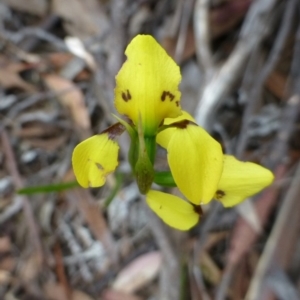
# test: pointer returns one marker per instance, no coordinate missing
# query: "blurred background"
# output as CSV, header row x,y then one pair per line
x,y
240,63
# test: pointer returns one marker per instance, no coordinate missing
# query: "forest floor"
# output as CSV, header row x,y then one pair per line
x,y
240,65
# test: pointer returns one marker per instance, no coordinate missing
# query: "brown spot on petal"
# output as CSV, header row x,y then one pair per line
x,y
166,94
126,96
114,130
99,166
220,194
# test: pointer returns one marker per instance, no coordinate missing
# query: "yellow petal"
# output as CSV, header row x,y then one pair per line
x,y
93,159
172,210
241,180
147,84
164,136
196,162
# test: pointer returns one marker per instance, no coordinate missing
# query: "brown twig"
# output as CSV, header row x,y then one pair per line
x,y
255,28
170,274
13,170
202,35
285,28
184,24
279,247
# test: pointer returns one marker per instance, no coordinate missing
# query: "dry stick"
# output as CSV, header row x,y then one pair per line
x,y
255,28
32,42
288,209
244,236
280,148
199,247
13,170
254,99
170,275
202,36
283,235
273,58
184,24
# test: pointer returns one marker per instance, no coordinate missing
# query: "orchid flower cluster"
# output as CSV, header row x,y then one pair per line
x,y
148,97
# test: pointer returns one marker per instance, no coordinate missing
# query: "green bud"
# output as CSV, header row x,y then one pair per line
x,y
144,172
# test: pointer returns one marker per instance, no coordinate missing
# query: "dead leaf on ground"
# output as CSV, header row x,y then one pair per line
x,y
5,244
30,268
115,295
10,75
56,291
50,144
70,97
84,18
35,7
138,273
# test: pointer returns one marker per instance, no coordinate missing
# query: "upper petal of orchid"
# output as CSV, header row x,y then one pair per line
x,y
240,180
172,210
196,163
94,158
165,135
147,84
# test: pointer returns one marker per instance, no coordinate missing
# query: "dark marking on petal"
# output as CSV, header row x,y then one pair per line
x,y
126,96
114,130
220,194
99,166
160,207
182,124
177,103
166,94
198,209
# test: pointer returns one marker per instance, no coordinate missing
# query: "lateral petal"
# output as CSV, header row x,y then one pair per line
x,y
173,210
241,180
93,159
147,84
196,163
164,136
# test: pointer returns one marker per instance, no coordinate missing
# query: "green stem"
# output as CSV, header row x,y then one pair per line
x,y
150,143
50,188
164,179
133,151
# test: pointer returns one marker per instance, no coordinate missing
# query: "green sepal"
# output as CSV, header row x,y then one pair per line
x,y
164,179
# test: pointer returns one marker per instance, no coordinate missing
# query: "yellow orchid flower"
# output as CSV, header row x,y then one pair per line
x,y
147,85
237,181
147,94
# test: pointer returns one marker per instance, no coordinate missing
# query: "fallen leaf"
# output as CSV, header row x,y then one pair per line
x,y
70,97
35,7
5,244
115,295
83,18
56,291
78,295
138,273
10,75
